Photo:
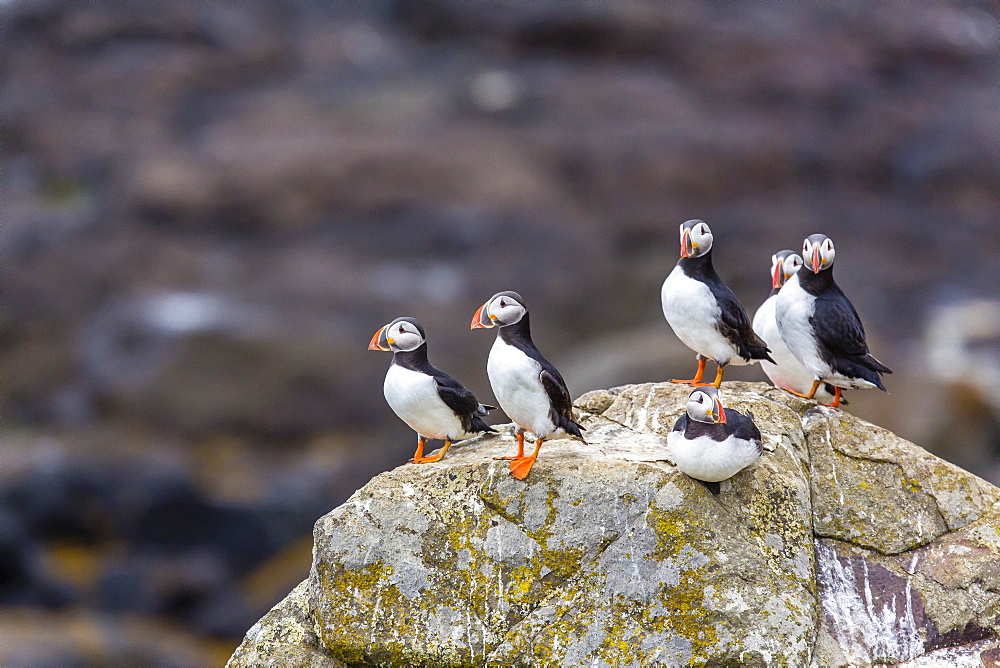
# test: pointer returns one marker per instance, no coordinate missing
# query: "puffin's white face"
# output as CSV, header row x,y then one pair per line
x,y
503,308
705,405
696,238
400,335
783,264
818,252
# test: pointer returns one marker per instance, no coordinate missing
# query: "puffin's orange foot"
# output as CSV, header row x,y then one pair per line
x,y
798,394
520,447
836,398
431,458
704,385
521,467
697,375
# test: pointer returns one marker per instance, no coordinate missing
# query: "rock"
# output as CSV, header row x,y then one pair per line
x,y
843,545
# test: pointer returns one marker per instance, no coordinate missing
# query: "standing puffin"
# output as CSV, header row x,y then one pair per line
x,y
821,327
431,402
702,310
530,390
710,443
787,373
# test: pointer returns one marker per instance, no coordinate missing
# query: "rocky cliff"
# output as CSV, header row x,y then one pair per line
x,y
844,544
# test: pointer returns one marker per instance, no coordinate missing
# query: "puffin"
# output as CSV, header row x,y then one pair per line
x,y
788,373
528,388
712,444
430,401
822,329
703,312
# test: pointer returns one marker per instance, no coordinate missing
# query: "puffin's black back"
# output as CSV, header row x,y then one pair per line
x,y
737,424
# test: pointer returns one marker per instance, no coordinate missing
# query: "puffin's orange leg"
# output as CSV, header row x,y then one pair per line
x,y
812,392
520,447
836,398
716,383
697,376
521,467
421,442
432,458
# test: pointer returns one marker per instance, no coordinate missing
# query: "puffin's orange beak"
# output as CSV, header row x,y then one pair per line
x,y
686,245
815,259
379,340
776,275
481,320
721,412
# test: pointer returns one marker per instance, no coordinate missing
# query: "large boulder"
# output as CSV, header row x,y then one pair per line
x,y
843,545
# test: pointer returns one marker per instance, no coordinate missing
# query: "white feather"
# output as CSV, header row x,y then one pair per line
x,y
516,384
691,311
712,461
789,372
413,396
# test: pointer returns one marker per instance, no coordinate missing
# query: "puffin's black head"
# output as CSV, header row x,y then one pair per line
x,y
784,263
705,405
503,308
400,335
696,238
818,252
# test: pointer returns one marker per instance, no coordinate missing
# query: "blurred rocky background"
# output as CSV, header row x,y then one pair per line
x,y
208,208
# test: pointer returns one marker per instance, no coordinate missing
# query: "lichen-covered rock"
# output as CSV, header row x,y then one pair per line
x,y
842,545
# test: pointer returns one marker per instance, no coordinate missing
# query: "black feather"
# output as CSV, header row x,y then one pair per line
x,y
839,331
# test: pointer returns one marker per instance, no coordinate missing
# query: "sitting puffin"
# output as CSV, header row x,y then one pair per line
x,y
788,373
710,443
530,390
431,402
702,310
821,328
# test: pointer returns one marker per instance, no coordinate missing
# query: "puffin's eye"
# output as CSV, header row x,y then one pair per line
x,y
829,245
503,304
702,229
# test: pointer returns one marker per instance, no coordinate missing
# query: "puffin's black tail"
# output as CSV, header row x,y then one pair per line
x,y
476,425
758,352
571,428
865,367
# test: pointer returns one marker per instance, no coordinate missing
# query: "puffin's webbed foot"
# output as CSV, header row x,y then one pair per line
x,y
521,466
520,448
697,375
432,458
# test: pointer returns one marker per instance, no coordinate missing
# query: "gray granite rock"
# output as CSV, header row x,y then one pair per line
x,y
843,544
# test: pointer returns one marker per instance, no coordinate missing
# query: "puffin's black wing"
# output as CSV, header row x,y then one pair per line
x,y
460,400
839,331
681,423
562,403
734,324
742,427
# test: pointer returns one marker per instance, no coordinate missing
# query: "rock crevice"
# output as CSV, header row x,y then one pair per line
x,y
843,545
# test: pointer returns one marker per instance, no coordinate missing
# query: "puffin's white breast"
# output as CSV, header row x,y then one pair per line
x,y
692,312
516,384
789,372
712,461
793,308
413,396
